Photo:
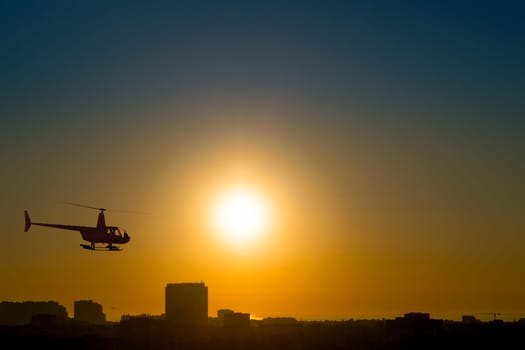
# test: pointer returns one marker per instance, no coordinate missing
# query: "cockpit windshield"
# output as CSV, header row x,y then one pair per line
x,y
115,231
124,233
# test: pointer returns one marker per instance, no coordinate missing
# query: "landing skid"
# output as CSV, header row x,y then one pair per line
x,y
108,247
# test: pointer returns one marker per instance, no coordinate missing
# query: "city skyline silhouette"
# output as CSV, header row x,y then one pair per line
x,y
185,324
187,302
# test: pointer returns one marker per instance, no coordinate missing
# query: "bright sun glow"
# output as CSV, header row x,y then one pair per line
x,y
241,216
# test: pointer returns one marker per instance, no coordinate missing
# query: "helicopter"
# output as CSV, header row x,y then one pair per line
x,y
108,235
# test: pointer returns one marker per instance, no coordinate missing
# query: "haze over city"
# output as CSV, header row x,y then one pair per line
x,y
317,160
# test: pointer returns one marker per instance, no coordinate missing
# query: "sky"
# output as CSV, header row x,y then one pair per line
x,y
386,137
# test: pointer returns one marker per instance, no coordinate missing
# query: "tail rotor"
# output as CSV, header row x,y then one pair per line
x,y
27,220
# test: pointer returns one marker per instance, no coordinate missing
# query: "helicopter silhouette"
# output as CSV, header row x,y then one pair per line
x,y
108,235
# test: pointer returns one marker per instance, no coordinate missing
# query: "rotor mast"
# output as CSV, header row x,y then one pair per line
x,y
101,222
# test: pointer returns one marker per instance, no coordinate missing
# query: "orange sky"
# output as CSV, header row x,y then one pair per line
x,y
337,249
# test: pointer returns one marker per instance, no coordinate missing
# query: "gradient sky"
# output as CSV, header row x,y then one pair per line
x,y
389,138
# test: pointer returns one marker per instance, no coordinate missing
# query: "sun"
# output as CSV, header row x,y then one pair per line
x,y
240,215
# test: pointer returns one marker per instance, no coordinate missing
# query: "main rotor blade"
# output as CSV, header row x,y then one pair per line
x,y
83,206
128,211
103,209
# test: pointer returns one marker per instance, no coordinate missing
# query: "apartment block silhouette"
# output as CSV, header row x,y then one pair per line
x,y
187,303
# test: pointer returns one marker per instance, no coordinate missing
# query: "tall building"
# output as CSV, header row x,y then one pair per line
x,y
88,311
187,303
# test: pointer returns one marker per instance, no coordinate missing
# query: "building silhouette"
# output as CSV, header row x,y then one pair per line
x,y
221,315
237,320
187,304
21,313
232,319
469,319
88,311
